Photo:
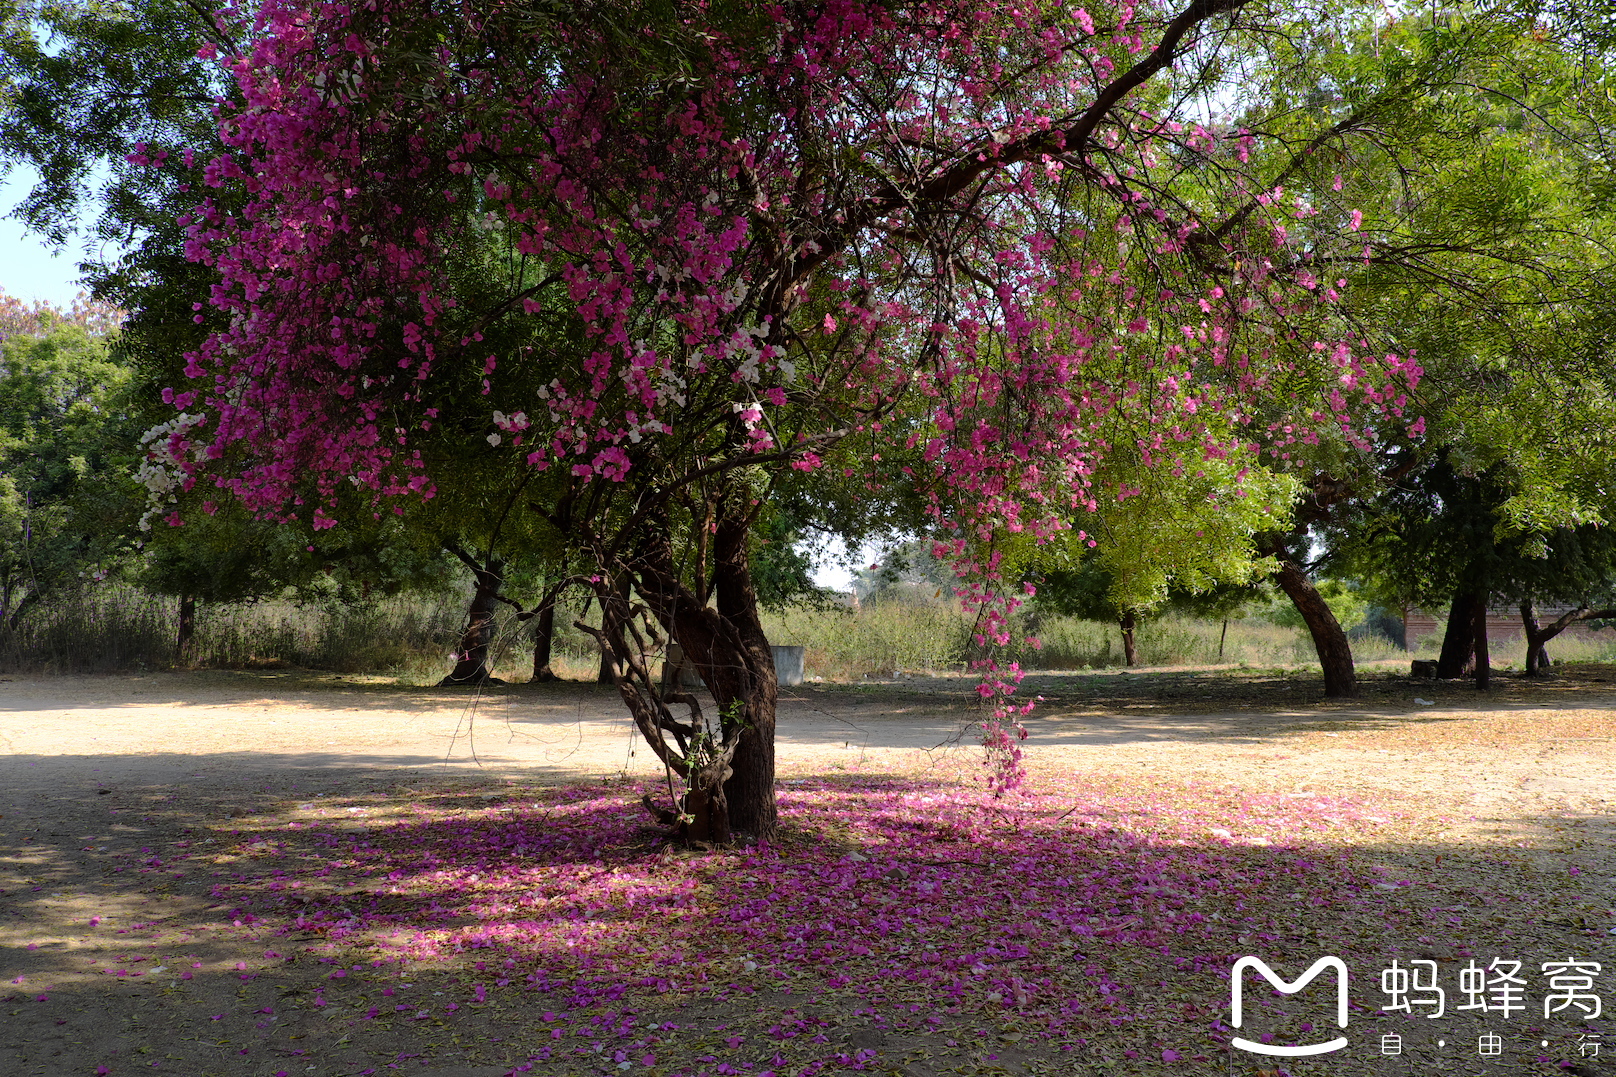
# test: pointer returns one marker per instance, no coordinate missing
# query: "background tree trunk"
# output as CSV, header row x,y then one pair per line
x,y
543,642
1484,670
15,619
1459,638
1329,640
187,629
1130,656
471,658
1537,658
604,674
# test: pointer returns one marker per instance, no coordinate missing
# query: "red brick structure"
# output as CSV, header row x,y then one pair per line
x,y
1504,629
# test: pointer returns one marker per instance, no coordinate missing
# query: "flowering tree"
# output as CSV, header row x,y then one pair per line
x,y
976,248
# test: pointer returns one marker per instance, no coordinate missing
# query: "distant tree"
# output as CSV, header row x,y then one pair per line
x,y
1482,202
68,501
1171,535
907,570
1088,592
1442,537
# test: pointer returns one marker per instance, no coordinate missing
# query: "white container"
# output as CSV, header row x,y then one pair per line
x,y
788,667
788,663
675,660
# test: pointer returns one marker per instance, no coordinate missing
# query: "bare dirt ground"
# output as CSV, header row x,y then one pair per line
x,y
104,778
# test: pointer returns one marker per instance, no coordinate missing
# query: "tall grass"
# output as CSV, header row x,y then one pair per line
x,y
92,631
411,638
880,638
1068,643
118,627
392,635
1577,646
876,639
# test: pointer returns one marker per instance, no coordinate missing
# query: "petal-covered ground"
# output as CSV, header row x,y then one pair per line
x,y
183,891
904,924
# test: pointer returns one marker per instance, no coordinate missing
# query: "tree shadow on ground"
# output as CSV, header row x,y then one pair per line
x,y
902,925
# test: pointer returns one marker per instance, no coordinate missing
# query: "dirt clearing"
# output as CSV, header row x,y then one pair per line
x,y
296,873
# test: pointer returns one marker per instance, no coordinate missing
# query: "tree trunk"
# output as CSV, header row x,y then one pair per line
x,y
1130,656
15,619
471,657
1484,670
1537,658
729,769
1459,638
753,684
187,629
543,642
1329,640
1222,636
606,674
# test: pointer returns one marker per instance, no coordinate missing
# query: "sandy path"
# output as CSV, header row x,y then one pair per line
x,y
234,733
231,731
95,773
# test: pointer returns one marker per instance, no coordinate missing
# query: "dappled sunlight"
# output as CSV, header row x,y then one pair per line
x,y
919,898
1086,921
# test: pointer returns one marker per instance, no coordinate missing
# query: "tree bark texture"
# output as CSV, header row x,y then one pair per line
x,y
1130,655
1459,638
606,674
726,759
1329,639
752,684
543,643
471,657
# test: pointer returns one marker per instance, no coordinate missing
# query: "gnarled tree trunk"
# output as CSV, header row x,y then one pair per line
x,y
471,657
1329,639
726,760
1537,659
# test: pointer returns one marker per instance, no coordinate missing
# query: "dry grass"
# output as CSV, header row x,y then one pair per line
x,y
881,638
410,638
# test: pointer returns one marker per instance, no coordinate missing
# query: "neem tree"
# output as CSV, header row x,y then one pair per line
x,y
968,246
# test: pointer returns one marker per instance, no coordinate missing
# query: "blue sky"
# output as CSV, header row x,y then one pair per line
x,y
28,268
